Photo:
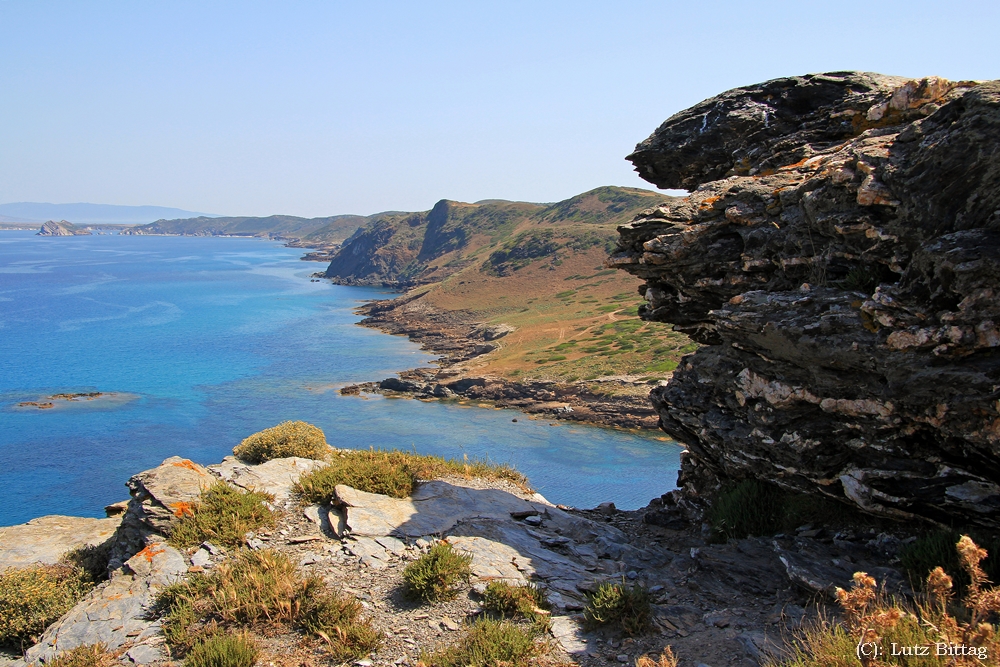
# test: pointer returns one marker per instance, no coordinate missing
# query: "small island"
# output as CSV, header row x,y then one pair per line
x,y
62,228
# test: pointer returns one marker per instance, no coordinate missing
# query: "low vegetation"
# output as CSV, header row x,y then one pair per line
x,y
291,438
93,655
666,659
393,473
933,549
488,643
223,515
957,635
527,601
262,590
33,597
620,607
223,651
752,507
437,574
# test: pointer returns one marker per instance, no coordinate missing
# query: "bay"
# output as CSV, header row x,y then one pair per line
x,y
206,340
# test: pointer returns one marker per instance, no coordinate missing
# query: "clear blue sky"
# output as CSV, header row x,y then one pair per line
x,y
318,108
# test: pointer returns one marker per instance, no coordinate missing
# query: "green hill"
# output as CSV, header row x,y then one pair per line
x,y
500,236
332,229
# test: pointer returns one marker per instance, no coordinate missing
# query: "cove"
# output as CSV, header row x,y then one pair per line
x,y
212,339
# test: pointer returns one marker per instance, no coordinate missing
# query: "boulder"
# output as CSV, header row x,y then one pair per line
x,y
277,476
839,259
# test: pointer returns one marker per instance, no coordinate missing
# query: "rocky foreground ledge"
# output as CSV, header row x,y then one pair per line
x,y
839,257
727,604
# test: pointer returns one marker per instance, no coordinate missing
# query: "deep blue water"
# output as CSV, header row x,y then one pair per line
x,y
218,338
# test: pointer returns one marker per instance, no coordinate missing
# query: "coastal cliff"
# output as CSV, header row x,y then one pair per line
x,y
62,228
838,257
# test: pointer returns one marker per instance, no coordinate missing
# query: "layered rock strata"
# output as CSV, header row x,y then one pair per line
x,y
838,257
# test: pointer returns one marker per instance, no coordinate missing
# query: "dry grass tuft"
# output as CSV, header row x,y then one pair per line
x,y
488,643
223,516
437,574
938,625
263,590
291,438
393,473
666,659
95,655
33,597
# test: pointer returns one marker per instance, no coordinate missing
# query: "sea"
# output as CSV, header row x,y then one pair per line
x,y
201,341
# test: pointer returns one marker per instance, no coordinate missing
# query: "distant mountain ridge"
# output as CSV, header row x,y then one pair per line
x,y
91,214
327,230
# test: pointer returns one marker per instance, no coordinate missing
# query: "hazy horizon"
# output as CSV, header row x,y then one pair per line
x,y
318,109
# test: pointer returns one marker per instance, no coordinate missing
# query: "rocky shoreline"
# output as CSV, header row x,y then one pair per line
x,y
618,401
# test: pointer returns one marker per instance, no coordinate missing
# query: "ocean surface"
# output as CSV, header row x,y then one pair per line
x,y
207,340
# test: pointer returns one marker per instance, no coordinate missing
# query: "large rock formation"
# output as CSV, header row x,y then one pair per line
x,y
61,228
839,257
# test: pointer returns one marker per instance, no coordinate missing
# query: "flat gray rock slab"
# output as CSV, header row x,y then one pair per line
x,y
569,635
490,560
49,538
276,476
115,613
434,508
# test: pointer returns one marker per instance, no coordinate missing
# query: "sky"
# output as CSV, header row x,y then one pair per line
x,y
323,108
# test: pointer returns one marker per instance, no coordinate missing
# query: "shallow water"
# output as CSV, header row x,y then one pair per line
x,y
221,337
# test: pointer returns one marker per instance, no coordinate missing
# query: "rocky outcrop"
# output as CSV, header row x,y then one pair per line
x,y
48,539
839,257
61,228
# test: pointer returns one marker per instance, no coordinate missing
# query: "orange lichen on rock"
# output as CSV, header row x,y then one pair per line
x,y
151,552
185,463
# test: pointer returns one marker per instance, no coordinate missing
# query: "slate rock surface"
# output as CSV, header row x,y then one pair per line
x,y
839,257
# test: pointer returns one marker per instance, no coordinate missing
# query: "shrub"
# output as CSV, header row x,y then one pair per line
x,y
938,549
223,651
488,643
872,619
223,515
33,597
619,606
286,439
526,601
262,589
393,473
336,619
437,574
749,508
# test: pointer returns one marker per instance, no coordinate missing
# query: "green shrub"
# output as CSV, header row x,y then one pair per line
x,y
33,597
938,548
437,574
392,473
749,508
624,607
223,515
223,650
506,599
488,643
286,439
94,655
262,589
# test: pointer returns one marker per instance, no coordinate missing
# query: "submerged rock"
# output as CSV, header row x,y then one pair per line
x,y
839,258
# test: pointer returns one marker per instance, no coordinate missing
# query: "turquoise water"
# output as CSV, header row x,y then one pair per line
x,y
217,338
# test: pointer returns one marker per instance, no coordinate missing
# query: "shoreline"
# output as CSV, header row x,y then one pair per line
x,y
459,339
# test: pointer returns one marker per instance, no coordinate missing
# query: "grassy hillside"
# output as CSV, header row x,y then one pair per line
x,y
333,229
536,267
